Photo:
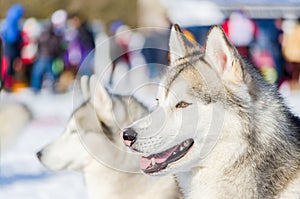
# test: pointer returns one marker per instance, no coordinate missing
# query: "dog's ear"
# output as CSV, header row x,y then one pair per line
x,y
84,85
222,55
179,45
101,100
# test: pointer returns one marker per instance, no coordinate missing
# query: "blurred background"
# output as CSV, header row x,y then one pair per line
x,y
49,44
265,32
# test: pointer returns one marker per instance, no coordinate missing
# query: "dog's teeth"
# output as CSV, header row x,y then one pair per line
x,y
181,148
153,161
174,153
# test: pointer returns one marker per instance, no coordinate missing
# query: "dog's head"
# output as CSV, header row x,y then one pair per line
x,y
68,151
197,100
92,133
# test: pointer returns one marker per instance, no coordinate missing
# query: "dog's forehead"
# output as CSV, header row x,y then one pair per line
x,y
85,115
193,74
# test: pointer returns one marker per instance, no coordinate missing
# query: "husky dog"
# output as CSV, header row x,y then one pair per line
x,y
223,130
87,135
11,126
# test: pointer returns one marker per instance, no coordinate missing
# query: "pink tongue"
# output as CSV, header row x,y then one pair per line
x,y
145,163
127,143
159,158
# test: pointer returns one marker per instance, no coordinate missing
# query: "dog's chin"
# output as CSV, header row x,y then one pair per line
x,y
51,166
60,165
168,161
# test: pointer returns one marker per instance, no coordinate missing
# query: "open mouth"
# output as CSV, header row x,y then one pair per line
x,y
157,162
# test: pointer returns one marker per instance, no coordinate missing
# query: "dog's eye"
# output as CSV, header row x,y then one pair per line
x,y
182,104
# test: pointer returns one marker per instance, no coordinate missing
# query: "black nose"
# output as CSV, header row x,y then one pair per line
x,y
129,136
39,155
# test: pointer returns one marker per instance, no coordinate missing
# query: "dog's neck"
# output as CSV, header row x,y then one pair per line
x,y
216,178
261,163
106,182
272,146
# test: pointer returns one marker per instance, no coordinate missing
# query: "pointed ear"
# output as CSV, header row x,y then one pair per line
x,y
84,85
179,45
101,100
222,55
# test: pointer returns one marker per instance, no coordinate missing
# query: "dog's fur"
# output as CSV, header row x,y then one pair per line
x,y
14,117
246,141
86,145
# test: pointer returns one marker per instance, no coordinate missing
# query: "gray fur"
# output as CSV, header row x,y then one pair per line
x,y
270,133
273,153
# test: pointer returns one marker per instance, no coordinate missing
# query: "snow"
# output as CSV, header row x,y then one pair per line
x,y
22,175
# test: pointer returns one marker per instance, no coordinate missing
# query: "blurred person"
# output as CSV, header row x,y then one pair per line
x,y
48,64
242,31
12,40
80,43
119,46
291,52
278,56
264,61
29,51
267,54
155,51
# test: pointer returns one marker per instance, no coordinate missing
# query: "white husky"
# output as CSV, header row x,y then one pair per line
x,y
219,126
91,144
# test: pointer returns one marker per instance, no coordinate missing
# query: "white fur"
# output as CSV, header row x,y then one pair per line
x,y
86,148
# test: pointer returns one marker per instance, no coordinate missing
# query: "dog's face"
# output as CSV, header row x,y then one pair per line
x,y
92,133
192,98
69,150
90,127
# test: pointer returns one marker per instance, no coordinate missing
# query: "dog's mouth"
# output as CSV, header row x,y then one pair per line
x,y
157,162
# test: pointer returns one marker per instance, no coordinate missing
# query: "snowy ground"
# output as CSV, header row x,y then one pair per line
x,y
21,174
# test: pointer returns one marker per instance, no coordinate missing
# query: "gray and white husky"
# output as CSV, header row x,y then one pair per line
x,y
91,144
223,130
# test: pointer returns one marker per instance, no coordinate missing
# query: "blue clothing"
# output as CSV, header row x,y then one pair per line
x,y
269,40
11,30
43,66
11,36
155,51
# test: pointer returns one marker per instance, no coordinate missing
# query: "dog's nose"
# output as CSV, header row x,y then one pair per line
x,y
39,155
129,136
